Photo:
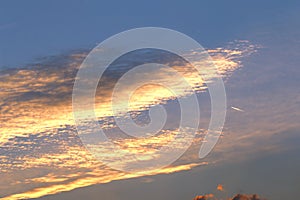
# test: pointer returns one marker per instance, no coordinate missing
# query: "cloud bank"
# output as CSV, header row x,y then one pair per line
x,y
41,153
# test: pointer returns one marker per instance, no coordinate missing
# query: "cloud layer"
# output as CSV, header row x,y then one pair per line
x,y
41,153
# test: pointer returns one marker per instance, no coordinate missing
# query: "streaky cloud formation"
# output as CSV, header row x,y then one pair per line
x,y
41,153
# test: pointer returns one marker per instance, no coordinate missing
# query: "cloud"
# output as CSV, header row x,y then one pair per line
x,y
237,197
246,197
38,134
204,197
220,187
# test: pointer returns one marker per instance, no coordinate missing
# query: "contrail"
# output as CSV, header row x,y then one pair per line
x,y
237,109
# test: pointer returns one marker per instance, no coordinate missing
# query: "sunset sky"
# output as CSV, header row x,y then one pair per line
x,y
255,47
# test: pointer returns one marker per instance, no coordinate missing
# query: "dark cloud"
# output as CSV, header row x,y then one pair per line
x,y
246,197
237,197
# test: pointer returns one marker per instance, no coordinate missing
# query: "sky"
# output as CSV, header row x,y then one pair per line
x,y
255,47
33,29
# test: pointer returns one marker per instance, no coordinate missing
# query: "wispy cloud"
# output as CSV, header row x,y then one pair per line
x,y
38,135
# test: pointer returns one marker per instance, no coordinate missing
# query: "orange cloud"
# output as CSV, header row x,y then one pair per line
x,y
220,187
38,136
204,197
237,197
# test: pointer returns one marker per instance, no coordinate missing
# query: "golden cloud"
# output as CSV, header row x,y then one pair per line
x,y
37,129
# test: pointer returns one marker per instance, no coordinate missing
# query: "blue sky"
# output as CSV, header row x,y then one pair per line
x,y
33,29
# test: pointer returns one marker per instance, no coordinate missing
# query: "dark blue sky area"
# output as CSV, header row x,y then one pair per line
x,y
31,29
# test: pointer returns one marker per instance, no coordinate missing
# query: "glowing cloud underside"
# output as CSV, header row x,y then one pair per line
x,y
38,135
